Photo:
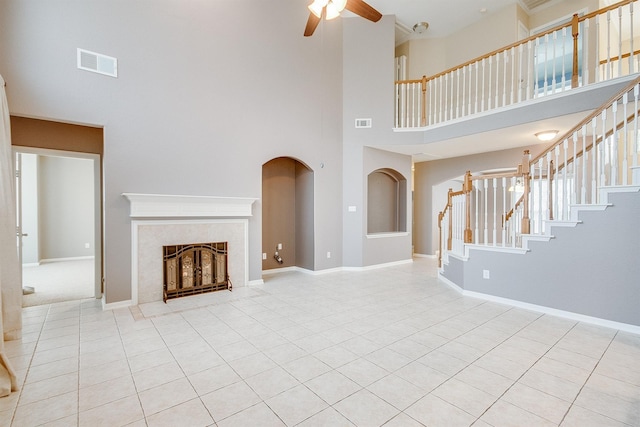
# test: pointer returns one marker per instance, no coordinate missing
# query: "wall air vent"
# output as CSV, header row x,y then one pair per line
x,y
363,123
97,63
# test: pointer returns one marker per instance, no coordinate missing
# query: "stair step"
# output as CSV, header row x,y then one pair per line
x,y
575,209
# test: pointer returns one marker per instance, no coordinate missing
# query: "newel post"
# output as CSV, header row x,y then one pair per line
x,y
575,32
423,118
525,171
466,188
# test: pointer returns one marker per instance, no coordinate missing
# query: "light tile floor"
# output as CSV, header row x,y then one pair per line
x,y
391,347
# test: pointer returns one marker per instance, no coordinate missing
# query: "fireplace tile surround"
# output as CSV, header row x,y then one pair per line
x,y
161,220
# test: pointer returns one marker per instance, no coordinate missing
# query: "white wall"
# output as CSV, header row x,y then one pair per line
x,y
29,195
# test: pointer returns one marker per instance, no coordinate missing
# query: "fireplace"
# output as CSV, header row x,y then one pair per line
x,y
194,269
159,221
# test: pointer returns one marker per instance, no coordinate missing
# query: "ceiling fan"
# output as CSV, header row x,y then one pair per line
x,y
331,9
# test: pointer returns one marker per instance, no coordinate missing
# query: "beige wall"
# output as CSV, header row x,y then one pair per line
x,y
430,56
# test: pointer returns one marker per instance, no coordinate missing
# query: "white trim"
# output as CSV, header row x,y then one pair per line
x,y
385,235
376,266
425,256
255,282
542,309
74,258
280,270
116,305
503,249
178,206
334,270
135,224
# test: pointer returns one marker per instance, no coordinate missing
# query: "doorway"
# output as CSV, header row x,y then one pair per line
x,y
77,151
56,217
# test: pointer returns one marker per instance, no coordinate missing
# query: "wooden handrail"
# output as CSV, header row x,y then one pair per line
x,y
572,24
587,119
619,57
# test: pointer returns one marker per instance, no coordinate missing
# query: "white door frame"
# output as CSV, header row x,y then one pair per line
x,y
97,208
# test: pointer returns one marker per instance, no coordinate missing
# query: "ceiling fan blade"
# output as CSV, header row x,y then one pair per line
x,y
361,8
312,24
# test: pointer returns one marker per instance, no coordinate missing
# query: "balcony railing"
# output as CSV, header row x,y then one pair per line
x,y
592,48
500,210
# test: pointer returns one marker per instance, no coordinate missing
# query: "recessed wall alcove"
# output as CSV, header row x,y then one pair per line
x,y
386,202
287,214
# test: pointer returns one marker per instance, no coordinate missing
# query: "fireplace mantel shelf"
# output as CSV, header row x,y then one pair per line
x,y
180,206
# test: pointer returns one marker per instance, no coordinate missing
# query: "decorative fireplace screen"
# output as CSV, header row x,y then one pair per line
x,y
195,269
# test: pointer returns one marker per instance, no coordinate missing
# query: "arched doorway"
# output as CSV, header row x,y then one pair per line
x,y
287,215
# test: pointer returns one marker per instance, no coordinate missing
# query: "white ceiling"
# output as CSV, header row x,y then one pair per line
x,y
443,16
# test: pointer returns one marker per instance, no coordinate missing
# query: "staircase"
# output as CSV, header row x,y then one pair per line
x,y
559,233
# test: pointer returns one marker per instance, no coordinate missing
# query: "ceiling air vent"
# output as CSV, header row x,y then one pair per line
x,y
363,123
97,63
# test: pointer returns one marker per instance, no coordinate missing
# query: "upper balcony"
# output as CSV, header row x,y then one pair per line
x,y
587,51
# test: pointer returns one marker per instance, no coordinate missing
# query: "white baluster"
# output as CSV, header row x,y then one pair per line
x,y
531,66
631,63
495,211
546,63
585,54
513,76
486,213
536,83
504,210
608,45
603,180
476,98
594,161
625,161
553,65
483,83
464,90
597,60
556,196
619,42
566,195
585,156
614,145
519,84
476,234
490,90
397,96
446,96
458,100
563,79
636,90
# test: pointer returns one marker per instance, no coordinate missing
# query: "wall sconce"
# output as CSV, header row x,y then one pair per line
x,y
546,135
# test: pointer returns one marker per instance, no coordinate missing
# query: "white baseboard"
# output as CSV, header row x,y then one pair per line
x,y
116,305
255,282
376,266
30,264
545,310
425,256
336,269
77,258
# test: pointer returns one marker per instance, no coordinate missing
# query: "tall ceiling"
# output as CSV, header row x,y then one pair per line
x,y
443,16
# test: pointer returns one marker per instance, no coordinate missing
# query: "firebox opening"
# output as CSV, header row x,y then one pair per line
x,y
195,268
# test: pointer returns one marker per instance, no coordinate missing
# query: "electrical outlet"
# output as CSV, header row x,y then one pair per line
x,y
264,255
485,274
279,246
328,254
87,245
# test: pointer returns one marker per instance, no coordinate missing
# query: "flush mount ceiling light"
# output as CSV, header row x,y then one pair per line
x,y
420,27
546,135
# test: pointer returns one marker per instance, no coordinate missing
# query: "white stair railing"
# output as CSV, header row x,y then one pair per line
x,y
499,209
588,49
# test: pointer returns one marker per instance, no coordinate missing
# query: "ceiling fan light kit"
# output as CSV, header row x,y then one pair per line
x,y
331,9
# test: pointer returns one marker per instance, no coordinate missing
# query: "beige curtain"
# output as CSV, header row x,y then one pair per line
x,y
10,272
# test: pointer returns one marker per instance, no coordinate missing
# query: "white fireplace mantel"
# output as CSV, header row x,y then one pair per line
x,y
177,206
